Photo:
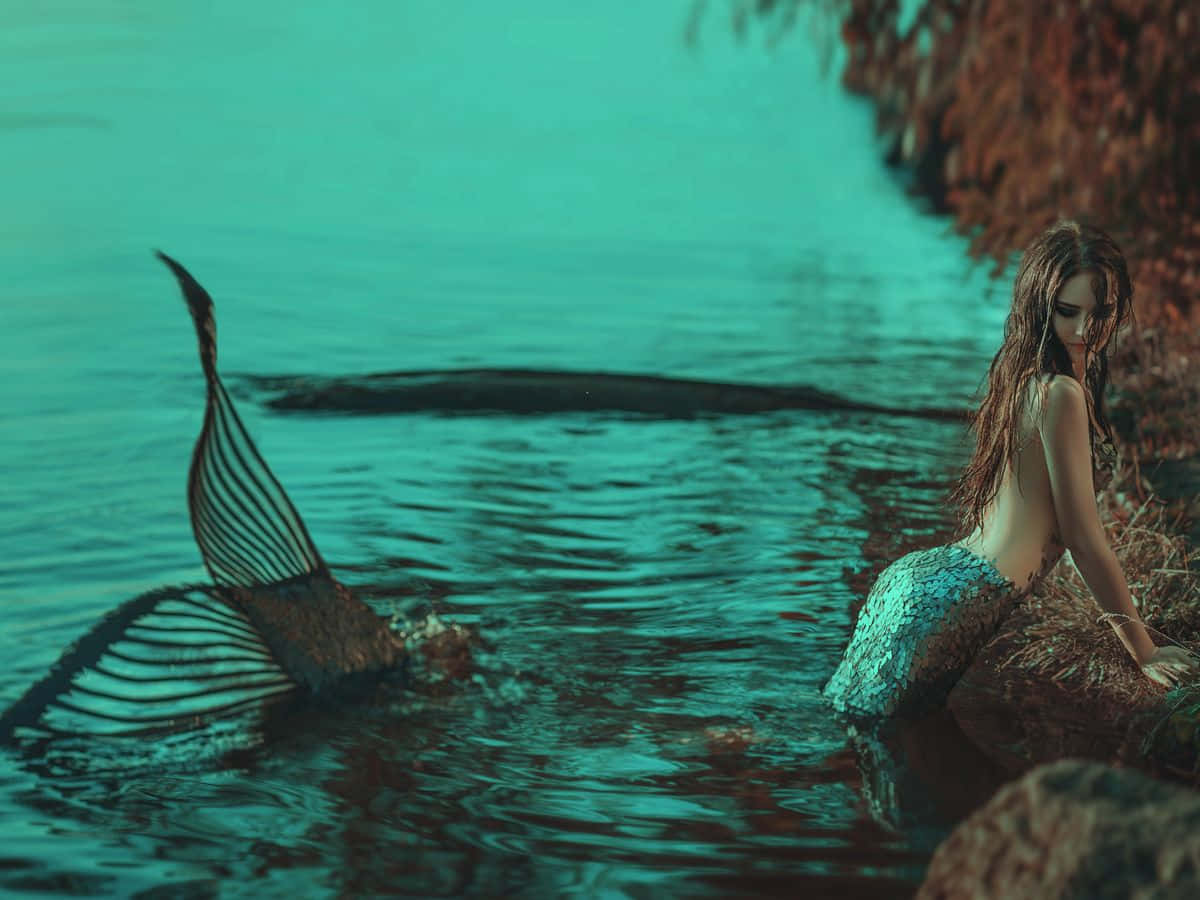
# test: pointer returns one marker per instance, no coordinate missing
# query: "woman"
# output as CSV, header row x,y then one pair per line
x,y
1027,495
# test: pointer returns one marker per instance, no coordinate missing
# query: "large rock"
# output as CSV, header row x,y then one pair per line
x,y
1021,718
1074,829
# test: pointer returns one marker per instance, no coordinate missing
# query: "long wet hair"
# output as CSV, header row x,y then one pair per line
x,y
1031,348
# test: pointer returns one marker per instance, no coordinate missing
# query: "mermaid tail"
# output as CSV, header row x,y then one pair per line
x,y
169,660
927,617
247,529
274,621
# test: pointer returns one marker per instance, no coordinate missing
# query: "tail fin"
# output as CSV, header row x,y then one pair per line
x,y
167,661
245,526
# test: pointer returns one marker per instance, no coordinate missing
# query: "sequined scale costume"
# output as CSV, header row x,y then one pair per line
x,y
926,618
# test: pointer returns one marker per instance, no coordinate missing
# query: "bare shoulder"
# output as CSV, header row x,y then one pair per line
x,y
1058,390
1063,407
1063,391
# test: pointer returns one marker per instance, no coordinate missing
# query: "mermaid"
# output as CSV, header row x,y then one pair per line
x,y
273,624
1028,495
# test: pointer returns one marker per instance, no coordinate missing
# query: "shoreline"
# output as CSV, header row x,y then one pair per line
x,y
1004,131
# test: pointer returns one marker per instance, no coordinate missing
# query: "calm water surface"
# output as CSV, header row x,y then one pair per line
x,y
659,601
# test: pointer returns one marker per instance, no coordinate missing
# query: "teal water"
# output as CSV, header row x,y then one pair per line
x,y
406,186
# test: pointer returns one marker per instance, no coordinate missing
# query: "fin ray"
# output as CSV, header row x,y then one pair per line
x,y
113,676
246,527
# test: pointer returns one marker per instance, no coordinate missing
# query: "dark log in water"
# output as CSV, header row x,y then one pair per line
x,y
530,391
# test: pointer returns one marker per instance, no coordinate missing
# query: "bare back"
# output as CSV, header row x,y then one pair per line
x,y
1020,533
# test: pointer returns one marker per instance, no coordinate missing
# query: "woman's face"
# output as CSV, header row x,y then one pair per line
x,y
1073,312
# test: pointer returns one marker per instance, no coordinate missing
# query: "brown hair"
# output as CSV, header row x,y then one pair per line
x,y
1031,348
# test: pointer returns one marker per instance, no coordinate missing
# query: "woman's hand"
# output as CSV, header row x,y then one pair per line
x,y
1170,665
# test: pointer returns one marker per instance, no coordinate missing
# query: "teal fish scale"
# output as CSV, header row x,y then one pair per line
x,y
927,617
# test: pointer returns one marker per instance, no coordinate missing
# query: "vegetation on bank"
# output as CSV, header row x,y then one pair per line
x,y
1014,113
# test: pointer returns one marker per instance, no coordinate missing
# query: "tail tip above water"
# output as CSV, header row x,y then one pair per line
x,y
184,277
178,270
199,304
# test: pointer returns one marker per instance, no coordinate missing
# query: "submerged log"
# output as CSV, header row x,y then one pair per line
x,y
531,391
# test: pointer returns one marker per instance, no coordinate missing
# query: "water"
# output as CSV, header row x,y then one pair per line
x,y
386,188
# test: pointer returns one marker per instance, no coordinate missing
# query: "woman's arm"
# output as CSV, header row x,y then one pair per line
x,y
1064,431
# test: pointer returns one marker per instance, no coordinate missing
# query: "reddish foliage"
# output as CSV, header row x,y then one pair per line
x,y
1040,110
1014,113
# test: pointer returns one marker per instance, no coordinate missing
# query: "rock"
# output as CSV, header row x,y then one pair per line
x,y
1022,719
1074,829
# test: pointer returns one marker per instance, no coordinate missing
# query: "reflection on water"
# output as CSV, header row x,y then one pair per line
x,y
920,777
